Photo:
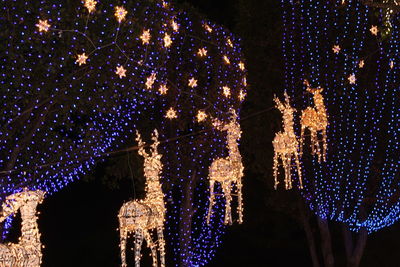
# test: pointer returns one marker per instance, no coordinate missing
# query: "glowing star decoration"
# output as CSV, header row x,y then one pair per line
x,y
81,59
171,114
142,216
229,42
202,52
286,145
208,28
374,30
226,59
391,64
28,251
163,89
226,91
175,26
192,82
43,26
361,64
167,40
242,95
150,80
228,171
315,119
120,13
201,116
90,5
121,71
352,78
145,37
336,49
241,65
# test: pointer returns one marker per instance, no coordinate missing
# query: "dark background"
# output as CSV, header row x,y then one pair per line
x,y
79,224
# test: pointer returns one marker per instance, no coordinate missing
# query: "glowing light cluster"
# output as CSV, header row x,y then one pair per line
x,y
228,171
286,145
28,251
142,216
346,50
316,120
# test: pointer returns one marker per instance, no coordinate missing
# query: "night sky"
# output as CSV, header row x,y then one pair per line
x,y
79,223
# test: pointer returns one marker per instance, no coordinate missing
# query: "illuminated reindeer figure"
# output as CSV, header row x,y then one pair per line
x,y
286,144
27,252
315,119
228,171
142,216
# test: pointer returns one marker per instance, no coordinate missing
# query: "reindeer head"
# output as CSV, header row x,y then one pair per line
x,y
19,200
152,163
287,111
232,127
316,92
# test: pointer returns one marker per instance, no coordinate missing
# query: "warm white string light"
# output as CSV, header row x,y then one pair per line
x,y
28,251
142,216
316,120
286,145
228,171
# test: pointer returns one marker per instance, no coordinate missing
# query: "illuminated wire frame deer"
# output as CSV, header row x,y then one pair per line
x,y
228,171
315,119
27,252
142,216
286,145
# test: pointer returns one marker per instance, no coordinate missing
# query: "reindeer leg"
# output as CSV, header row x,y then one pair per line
x,y
275,168
161,244
228,198
318,147
152,246
211,200
138,246
298,167
123,236
302,139
288,178
324,144
240,200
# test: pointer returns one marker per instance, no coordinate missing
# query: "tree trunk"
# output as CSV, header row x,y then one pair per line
x,y
185,224
354,252
326,243
305,218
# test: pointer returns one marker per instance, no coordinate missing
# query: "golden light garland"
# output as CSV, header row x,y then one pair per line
x,y
316,120
142,216
28,251
228,171
286,145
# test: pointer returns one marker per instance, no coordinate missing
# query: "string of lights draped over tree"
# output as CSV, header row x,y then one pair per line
x,y
345,48
207,78
74,82
80,76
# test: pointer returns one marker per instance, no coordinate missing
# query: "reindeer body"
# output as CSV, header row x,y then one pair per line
x,y
316,120
286,145
27,252
228,171
142,216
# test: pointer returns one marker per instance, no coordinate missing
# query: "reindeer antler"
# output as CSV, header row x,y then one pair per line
x,y
141,145
278,104
155,144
